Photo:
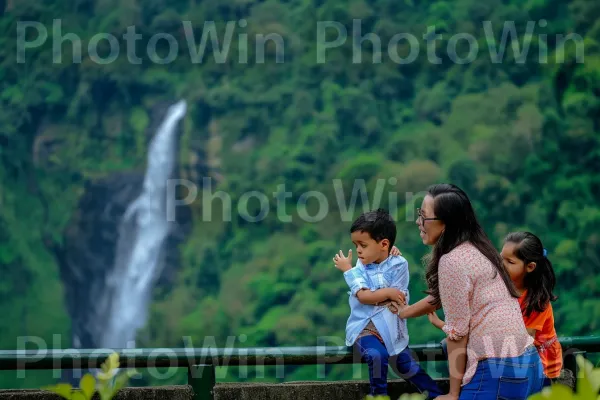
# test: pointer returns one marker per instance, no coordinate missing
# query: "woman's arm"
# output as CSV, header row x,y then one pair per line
x,y
457,363
420,308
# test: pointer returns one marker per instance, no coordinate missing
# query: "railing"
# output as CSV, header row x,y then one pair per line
x,y
201,362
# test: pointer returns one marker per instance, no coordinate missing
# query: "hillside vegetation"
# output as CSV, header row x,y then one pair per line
x,y
521,136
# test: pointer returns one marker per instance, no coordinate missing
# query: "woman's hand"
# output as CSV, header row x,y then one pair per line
x,y
395,251
447,397
396,308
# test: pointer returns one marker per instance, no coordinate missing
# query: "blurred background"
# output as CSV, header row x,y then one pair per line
x,y
88,256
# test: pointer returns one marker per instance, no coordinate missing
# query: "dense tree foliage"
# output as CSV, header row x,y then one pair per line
x,y
520,134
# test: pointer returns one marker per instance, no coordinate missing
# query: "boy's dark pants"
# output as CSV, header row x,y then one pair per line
x,y
377,357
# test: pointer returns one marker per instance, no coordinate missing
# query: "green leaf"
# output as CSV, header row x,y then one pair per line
x,y
62,389
586,389
412,396
120,381
88,385
556,392
79,395
132,372
591,375
105,391
109,367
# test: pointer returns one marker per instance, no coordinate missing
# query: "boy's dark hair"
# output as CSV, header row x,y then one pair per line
x,y
541,281
378,224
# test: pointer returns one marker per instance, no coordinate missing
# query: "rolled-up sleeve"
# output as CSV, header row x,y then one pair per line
x,y
356,280
456,287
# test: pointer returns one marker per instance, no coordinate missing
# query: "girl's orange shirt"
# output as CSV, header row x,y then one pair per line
x,y
546,339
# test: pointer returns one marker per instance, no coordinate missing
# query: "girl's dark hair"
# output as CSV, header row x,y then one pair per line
x,y
453,207
541,281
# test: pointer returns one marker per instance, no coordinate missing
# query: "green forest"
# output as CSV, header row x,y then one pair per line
x,y
520,134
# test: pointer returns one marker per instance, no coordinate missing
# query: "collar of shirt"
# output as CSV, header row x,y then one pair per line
x,y
375,265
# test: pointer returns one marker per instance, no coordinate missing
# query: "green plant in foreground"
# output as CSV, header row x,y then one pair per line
x,y
588,383
107,384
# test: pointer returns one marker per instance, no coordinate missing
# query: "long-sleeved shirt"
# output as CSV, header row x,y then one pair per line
x,y
391,273
477,304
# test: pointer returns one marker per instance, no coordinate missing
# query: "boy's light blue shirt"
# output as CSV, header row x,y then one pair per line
x,y
391,273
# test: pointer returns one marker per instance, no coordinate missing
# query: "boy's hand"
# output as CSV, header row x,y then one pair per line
x,y
435,320
342,262
395,251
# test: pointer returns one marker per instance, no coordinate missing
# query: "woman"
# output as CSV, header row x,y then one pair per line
x,y
490,353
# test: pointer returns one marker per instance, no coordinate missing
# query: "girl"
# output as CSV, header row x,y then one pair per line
x,y
525,259
530,270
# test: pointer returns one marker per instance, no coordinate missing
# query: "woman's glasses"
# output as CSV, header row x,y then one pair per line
x,y
423,219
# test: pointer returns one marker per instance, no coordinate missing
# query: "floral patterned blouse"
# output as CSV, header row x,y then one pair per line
x,y
477,303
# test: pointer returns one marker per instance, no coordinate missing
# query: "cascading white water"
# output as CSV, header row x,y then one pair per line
x,y
142,235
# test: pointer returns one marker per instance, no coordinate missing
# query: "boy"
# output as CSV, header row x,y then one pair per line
x,y
377,279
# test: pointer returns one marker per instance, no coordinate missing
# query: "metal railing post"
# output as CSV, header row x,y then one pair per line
x,y
202,380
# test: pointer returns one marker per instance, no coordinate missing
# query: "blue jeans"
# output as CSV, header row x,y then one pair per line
x,y
545,380
377,357
511,378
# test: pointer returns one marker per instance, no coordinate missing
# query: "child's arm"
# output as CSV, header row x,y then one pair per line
x,y
420,308
436,321
399,285
366,296
358,283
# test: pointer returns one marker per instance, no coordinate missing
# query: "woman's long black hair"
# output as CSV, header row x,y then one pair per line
x,y
541,281
453,207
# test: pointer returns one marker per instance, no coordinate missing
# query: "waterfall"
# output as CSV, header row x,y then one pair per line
x,y
143,230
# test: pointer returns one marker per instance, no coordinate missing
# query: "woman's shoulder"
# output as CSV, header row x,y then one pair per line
x,y
459,253
465,255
